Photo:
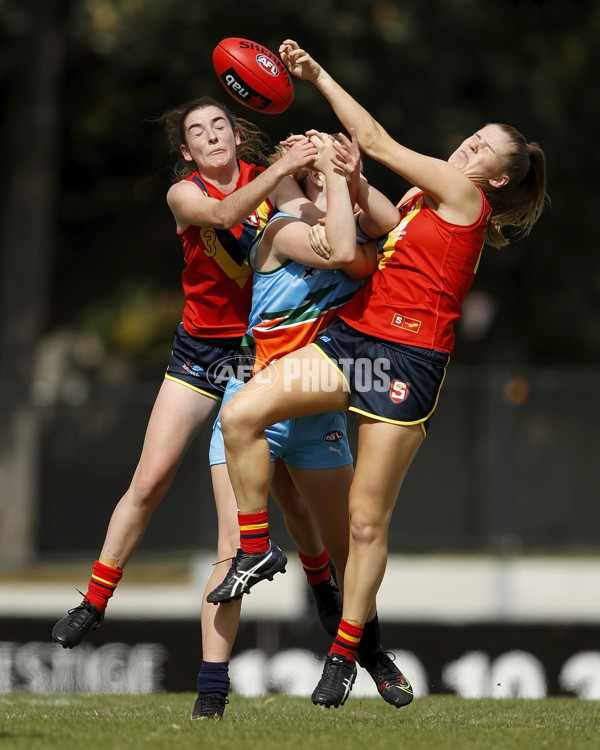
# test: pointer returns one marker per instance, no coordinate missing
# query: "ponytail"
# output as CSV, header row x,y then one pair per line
x,y
520,202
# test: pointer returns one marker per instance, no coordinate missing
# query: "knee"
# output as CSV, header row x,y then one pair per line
x,y
147,489
235,418
365,529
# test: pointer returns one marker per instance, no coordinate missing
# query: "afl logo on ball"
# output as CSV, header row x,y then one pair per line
x,y
267,65
398,391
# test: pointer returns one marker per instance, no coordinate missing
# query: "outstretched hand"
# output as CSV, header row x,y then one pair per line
x,y
299,62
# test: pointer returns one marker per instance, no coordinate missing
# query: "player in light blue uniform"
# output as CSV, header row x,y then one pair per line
x,y
290,305
296,294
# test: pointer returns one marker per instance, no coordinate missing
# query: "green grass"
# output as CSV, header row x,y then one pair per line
x,y
161,721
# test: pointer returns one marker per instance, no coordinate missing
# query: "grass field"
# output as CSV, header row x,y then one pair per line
x,y
161,722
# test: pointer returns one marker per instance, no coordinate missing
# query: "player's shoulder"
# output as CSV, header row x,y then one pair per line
x,y
182,189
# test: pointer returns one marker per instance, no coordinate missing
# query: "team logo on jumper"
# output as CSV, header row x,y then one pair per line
x,y
254,219
333,436
398,391
267,65
408,324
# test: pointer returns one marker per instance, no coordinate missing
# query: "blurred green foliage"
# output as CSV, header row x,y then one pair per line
x,y
430,72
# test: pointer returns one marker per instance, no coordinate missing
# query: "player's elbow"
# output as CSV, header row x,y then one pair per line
x,y
372,139
343,250
224,218
343,256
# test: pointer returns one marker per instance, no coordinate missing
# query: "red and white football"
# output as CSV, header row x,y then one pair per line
x,y
253,75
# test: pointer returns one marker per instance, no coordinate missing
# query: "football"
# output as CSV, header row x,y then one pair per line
x,y
253,75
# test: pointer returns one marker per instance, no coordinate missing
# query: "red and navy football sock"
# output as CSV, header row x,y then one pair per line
x,y
316,568
254,531
102,584
347,640
213,677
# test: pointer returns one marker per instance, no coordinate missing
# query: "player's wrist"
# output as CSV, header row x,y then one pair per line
x,y
280,169
319,78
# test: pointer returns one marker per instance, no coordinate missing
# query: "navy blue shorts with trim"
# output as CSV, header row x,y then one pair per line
x,y
203,364
388,381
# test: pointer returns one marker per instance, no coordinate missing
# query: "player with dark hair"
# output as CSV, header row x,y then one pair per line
x,y
402,321
220,203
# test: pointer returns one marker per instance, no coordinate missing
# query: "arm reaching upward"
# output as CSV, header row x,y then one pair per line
x,y
451,192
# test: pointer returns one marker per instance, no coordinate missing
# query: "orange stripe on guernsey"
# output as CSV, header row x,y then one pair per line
x,y
112,584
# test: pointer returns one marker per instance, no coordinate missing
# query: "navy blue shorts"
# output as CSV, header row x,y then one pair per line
x,y
387,381
205,365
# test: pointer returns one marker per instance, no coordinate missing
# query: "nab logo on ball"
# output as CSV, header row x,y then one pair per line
x,y
253,75
243,92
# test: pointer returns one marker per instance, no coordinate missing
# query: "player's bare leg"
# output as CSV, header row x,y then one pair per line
x,y
281,392
178,414
385,451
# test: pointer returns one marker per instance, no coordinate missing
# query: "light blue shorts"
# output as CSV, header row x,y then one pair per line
x,y
318,441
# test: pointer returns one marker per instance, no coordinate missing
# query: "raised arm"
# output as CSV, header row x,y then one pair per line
x,y
339,217
446,185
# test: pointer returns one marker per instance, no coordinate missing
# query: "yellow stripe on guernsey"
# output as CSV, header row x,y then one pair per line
x,y
347,637
215,250
106,583
487,218
398,232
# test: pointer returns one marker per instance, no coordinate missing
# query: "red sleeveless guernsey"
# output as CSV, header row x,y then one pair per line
x,y
217,281
425,269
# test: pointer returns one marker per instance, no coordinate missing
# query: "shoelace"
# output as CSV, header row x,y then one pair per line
x,y
81,613
332,677
223,560
381,664
386,675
